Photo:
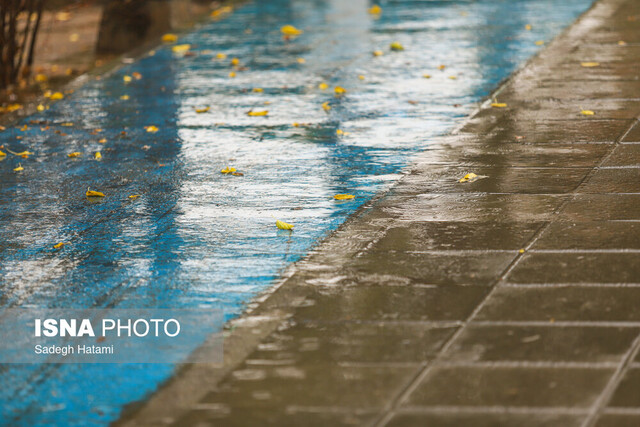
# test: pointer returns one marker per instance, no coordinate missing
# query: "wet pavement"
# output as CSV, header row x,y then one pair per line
x,y
511,300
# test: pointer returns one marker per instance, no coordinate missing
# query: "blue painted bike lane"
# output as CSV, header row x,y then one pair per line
x,y
199,238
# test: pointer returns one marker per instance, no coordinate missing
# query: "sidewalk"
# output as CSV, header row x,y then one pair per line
x,y
512,300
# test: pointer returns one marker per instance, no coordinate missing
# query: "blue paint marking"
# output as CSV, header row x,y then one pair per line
x,y
197,238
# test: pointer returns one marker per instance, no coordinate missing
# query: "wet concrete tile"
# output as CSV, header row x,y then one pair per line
x,y
439,268
494,179
590,235
499,386
577,268
618,420
481,419
563,303
633,135
627,393
379,303
602,207
220,415
421,236
377,342
624,155
324,385
581,130
626,180
471,207
514,153
538,343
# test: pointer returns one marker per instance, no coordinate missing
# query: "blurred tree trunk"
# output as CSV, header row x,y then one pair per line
x,y
19,24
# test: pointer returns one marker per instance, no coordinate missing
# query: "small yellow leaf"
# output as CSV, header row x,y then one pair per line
x,y
102,140
228,170
66,124
622,43
470,177
136,75
539,42
258,89
361,77
41,78
326,106
202,110
396,46
590,64
2,154
74,154
375,10
74,37
295,124
496,104
442,67
235,61
97,155
151,129
221,56
290,30
126,79
257,113
521,251
301,60
453,77
125,97
587,113
56,96
323,86
134,196
19,168
283,225
181,48
339,90
378,53
169,38
40,107
528,27
344,196
232,74
24,128
59,245
91,193
426,76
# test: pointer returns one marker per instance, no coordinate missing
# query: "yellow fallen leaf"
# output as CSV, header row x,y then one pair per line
x,y
2,154
221,11
539,42
235,61
56,96
126,79
74,37
496,104
470,177
169,38
102,140
97,155
528,27
344,196
181,48
442,67
587,113
91,193
378,53
221,56
232,74
40,107
622,43
134,196
74,154
426,76
590,64
257,113
228,170
521,251
323,86
19,168
136,75
339,132
375,10
41,78
125,97
258,89
301,60
295,124
24,128
59,245
24,154
339,90
151,129
66,124
283,225
453,77
326,106
290,30
202,110
63,16
361,77
396,46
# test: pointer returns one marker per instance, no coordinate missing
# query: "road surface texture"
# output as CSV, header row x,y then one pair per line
x,y
511,300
